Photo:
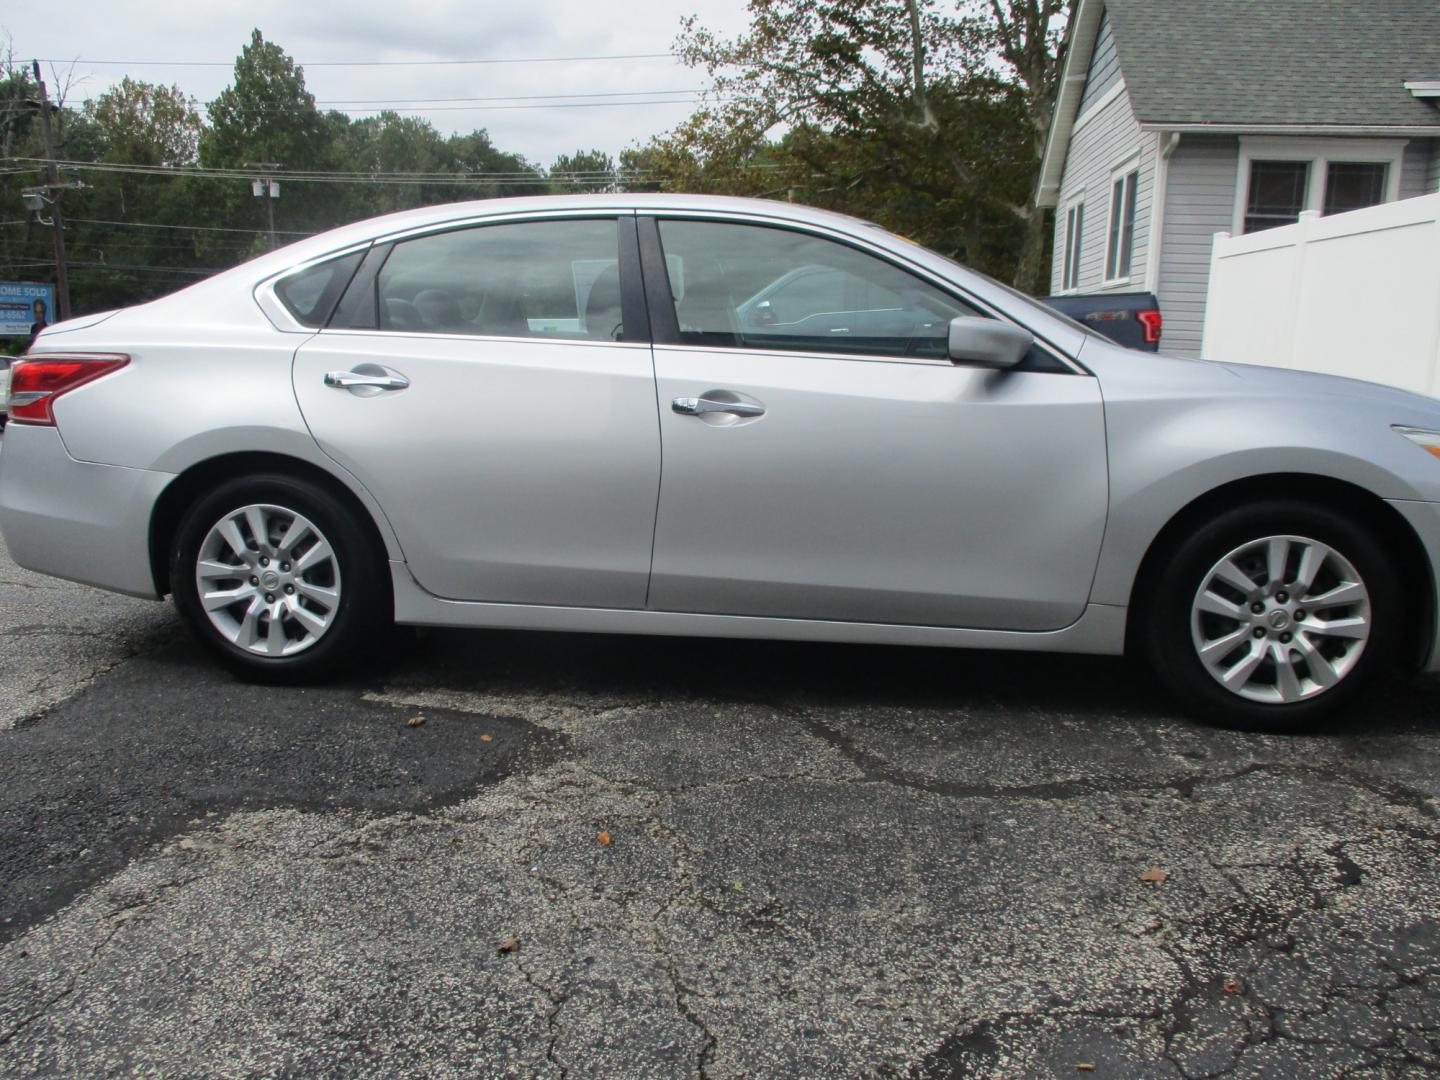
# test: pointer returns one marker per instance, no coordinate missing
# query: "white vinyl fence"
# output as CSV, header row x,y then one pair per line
x,y
1354,294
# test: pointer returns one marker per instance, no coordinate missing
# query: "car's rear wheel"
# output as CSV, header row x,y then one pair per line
x,y
278,577
1273,615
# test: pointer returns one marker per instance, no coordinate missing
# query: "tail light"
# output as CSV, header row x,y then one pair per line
x,y
37,380
1150,322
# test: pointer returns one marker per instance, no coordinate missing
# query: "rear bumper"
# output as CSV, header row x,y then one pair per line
x,y
74,519
1424,518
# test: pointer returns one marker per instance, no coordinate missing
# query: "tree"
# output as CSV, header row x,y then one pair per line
x,y
1025,34
266,114
584,170
920,117
266,119
146,124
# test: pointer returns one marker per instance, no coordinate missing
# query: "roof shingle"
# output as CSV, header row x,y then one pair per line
x,y
1311,62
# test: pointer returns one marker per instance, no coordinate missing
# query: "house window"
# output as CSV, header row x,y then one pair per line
x,y
1121,243
1074,225
1277,193
1282,177
1352,185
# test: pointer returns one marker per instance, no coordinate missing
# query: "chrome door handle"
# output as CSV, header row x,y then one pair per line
x,y
699,406
349,380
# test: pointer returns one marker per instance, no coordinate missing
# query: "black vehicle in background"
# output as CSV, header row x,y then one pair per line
x,y
1132,319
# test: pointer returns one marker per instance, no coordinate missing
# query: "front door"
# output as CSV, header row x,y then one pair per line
x,y
824,460
499,412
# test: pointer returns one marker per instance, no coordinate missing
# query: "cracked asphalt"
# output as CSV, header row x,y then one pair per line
x,y
823,861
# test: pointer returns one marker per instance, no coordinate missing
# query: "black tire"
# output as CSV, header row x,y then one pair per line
x,y
364,611
1166,631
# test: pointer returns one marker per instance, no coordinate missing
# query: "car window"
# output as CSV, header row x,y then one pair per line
x,y
753,286
310,294
543,279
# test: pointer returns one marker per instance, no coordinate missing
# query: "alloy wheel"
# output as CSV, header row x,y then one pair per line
x,y
268,580
1281,619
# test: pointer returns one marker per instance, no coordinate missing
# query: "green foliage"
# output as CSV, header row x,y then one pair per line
x,y
133,236
925,118
584,170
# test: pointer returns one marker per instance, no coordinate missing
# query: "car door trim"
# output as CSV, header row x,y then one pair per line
x,y
358,309
667,329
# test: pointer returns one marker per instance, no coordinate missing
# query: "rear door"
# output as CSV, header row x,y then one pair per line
x,y
492,387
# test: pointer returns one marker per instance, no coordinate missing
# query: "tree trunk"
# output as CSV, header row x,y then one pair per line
x,y
1030,276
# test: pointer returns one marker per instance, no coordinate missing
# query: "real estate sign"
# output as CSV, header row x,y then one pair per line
x,y
17,306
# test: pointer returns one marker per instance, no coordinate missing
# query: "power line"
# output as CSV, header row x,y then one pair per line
x,y
552,105
510,178
191,271
187,228
375,63
510,97
448,179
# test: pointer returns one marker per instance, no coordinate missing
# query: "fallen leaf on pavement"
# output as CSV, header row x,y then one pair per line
x,y
1084,1066
415,721
486,738
1155,874
605,838
509,945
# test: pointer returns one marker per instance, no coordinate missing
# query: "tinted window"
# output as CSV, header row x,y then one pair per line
x,y
1074,226
1122,226
310,295
547,279
766,288
1352,185
1277,193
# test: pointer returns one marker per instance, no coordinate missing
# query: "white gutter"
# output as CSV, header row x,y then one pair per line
x,y
1083,31
1157,213
1432,130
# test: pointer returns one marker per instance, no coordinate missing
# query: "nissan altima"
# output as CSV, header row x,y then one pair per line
x,y
720,417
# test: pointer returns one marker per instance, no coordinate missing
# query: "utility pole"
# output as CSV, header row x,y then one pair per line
x,y
62,274
267,188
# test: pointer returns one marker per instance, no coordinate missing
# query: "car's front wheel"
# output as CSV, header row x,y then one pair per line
x,y
276,575
1273,615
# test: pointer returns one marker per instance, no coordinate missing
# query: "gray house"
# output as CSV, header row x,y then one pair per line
x,y
1178,119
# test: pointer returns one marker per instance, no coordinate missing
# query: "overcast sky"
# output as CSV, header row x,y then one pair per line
x,y
141,31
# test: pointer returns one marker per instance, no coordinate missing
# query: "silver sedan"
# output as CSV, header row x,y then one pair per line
x,y
684,415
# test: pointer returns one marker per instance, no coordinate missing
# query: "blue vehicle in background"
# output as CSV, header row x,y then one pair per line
x,y
1130,319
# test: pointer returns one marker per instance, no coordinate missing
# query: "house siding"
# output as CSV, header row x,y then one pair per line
x,y
1096,149
1432,182
1414,167
1200,201
1104,66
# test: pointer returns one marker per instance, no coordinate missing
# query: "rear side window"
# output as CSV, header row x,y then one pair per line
x,y
311,294
759,287
544,279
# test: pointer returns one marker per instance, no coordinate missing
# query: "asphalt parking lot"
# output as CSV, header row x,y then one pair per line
x,y
630,857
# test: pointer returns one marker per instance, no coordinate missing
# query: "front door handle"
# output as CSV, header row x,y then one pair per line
x,y
366,377
700,406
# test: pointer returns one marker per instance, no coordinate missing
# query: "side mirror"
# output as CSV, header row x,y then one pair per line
x,y
987,343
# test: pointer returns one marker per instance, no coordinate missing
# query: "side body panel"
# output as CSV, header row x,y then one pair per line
x,y
1179,429
918,493
514,470
74,519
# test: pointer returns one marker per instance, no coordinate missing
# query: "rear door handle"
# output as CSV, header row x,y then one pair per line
x,y
700,406
366,376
